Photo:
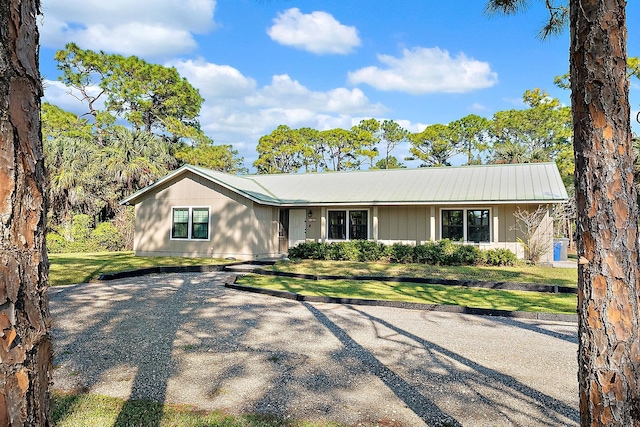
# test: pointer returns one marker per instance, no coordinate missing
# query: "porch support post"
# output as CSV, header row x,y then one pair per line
x,y
323,224
496,223
375,224
432,224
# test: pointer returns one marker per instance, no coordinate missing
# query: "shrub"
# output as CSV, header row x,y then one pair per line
x,y
56,244
300,251
401,253
369,250
343,251
469,255
446,251
500,257
81,227
106,237
428,253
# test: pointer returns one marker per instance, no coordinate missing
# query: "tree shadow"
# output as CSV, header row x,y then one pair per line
x,y
184,338
430,413
481,376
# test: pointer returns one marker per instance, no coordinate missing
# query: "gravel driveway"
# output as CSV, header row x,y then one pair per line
x,y
184,338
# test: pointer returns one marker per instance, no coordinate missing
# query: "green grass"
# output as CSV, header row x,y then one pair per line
x,y
82,410
66,269
414,292
521,273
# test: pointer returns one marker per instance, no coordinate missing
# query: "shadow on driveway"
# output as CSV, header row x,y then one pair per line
x,y
185,339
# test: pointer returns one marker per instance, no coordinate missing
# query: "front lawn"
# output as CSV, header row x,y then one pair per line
x,y
420,293
521,273
82,410
66,269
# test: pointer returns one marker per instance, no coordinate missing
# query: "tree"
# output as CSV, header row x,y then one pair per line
x,y
435,145
471,132
389,163
150,96
607,210
279,152
222,158
58,123
393,135
312,150
25,343
75,177
545,125
533,227
340,149
366,138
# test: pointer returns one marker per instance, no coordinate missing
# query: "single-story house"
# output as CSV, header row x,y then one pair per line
x,y
199,212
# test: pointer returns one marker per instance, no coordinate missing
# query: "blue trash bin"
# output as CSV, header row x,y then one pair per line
x,y
557,251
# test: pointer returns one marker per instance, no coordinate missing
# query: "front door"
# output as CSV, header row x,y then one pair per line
x,y
297,226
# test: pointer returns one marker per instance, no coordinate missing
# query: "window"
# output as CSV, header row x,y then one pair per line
x,y
190,223
359,227
452,225
468,225
337,228
478,225
180,229
356,229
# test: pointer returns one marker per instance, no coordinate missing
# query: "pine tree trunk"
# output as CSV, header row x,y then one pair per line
x,y
25,346
608,277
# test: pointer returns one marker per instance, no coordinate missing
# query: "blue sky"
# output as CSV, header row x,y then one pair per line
x,y
323,64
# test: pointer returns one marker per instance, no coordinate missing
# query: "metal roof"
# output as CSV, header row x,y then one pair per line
x,y
520,183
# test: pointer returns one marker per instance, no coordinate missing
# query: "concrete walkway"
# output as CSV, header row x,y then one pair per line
x,y
184,338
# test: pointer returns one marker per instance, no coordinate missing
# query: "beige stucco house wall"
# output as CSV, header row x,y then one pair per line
x,y
253,217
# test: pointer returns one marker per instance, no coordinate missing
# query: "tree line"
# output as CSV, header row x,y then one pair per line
x,y
539,133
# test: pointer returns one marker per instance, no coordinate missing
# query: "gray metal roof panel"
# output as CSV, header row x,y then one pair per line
x,y
487,183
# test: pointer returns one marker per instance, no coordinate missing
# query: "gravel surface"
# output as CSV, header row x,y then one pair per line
x,y
184,338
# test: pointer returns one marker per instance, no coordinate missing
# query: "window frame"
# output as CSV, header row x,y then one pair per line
x,y
347,225
190,210
465,222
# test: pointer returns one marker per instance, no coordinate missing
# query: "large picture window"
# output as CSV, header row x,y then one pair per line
x,y
348,225
190,223
467,225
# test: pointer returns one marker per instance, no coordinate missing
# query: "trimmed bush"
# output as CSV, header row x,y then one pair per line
x,y
443,252
343,251
400,253
500,257
309,250
469,255
370,251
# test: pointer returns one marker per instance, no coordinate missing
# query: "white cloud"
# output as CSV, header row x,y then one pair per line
x,y
427,70
285,91
317,32
215,81
141,27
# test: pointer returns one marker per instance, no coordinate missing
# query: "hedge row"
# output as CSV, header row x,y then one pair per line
x,y
443,252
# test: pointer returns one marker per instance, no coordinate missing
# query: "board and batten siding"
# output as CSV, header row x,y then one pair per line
x,y
239,228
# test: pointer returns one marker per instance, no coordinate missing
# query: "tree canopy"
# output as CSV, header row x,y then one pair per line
x,y
151,97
